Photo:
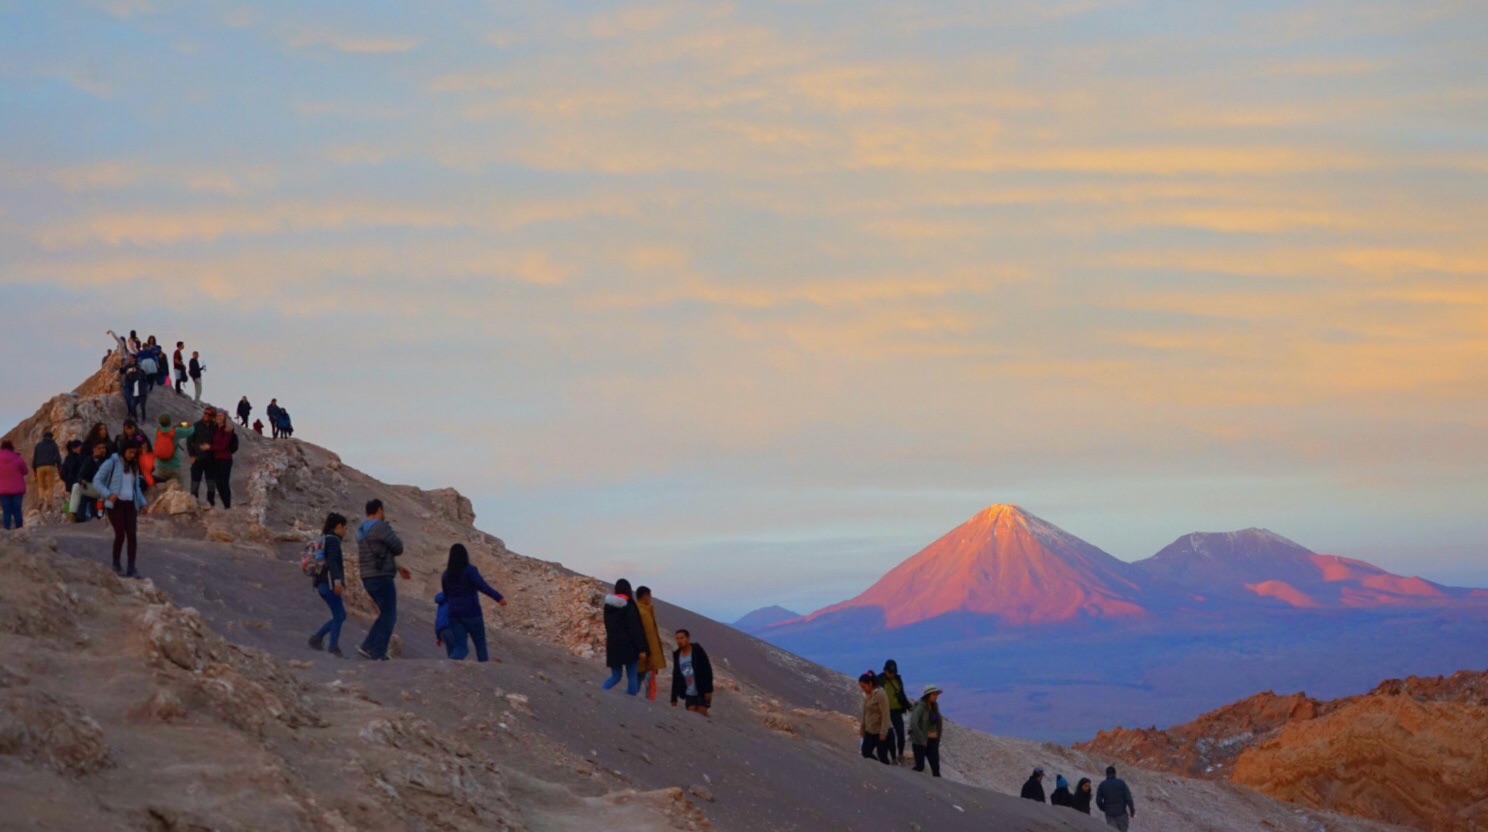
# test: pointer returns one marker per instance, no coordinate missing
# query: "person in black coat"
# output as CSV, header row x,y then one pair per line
x,y
625,638
1080,800
1034,788
692,675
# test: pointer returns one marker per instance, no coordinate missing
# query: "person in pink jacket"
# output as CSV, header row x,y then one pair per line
x,y
13,473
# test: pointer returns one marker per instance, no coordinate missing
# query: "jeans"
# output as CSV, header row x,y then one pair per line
x,y
143,396
1118,821
125,519
896,737
384,594
454,638
128,390
875,747
928,753
331,628
632,681
222,475
201,469
10,507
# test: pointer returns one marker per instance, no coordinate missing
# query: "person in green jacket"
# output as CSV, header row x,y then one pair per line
x,y
178,435
893,687
925,730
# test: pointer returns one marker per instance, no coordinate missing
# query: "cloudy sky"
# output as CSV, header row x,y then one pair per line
x,y
750,302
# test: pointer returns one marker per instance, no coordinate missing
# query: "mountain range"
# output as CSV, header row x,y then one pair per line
x,y
1017,615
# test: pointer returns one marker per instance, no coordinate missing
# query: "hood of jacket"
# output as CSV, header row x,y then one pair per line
x,y
617,601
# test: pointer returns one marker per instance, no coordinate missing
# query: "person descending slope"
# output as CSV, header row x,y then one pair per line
x,y
1061,795
925,727
122,485
13,472
330,584
875,725
893,685
1033,789
1114,800
272,411
378,548
245,409
463,587
1080,800
625,638
692,675
655,659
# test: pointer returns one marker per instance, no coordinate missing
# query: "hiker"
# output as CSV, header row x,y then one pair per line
x,y
655,660
286,427
1033,789
244,410
178,363
330,584
875,725
1114,800
12,485
129,375
258,426
1080,800
72,466
149,370
98,454
692,675
121,344
378,548
167,446
195,368
200,446
924,731
463,587
130,436
1061,795
272,411
893,685
46,467
625,638
224,445
123,490
97,435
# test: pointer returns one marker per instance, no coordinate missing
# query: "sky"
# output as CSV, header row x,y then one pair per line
x,y
750,302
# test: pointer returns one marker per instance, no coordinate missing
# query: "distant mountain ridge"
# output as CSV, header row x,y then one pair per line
x,y
764,617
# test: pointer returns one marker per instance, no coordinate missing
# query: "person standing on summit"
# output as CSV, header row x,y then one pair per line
x,y
195,369
378,548
46,467
1033,788
1114,800
178,363
245,409
625,638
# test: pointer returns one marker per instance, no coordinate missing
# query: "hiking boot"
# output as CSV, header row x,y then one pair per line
x,y
118,570
131,573
316,643
335,651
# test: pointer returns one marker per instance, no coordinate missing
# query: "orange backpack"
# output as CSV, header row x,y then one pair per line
x,y
165,443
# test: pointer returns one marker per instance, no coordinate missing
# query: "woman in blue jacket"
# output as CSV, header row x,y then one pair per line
x,y
331,584
463,587
122,487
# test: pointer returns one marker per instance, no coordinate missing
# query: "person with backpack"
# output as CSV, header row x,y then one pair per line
x,y
925,726
1114,799
200,445
1080,800
625,638
463,586
692,675
79,507
244,410
378,548
272,411
329,573
123,489
46,468
195,368
169,438
13,473
655,661
875,725
224,445
893,685
178,363
1061,795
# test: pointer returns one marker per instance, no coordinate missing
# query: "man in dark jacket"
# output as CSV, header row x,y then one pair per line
x,y
245,409
272,411
378,548
1114,800
200,446
1034,788
692,675
46,467
625,638
195,368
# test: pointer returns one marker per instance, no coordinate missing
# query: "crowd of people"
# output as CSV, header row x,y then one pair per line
x,y
883,726
634,652
1113,798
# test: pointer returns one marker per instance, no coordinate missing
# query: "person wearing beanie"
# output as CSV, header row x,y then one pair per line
x,y
46,467
1061,795
876,724
1033,789
925,727
463,586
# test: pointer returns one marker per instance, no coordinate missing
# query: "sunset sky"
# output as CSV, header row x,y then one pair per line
x,y
751,302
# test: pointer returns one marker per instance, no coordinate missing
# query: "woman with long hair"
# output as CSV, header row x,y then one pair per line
x,y
122,485
97,435
330,584
625,638
463,586
925,729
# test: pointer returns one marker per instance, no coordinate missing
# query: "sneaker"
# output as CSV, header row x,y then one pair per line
x,y
335,651
362,651
316,643
131,573
118,570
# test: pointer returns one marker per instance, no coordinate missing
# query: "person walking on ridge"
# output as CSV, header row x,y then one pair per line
x,y
1061,795
13,472
378,548
272,411
463,586
330,584
625,638
123,488
244,411
46,468
893,685
875,725
1080,800
655,661
195,368
692,675
1033,788
1114,799
925,727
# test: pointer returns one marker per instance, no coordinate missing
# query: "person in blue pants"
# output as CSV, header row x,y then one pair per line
x,y
378,548
330,584
625,637
463,586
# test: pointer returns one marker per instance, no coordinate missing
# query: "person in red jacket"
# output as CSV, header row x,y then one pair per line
x,y
13,473
224,445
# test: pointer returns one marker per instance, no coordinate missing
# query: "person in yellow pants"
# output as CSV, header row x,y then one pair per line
x,y
655,660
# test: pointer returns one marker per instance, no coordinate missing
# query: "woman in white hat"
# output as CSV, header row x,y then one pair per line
x,y
925,730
